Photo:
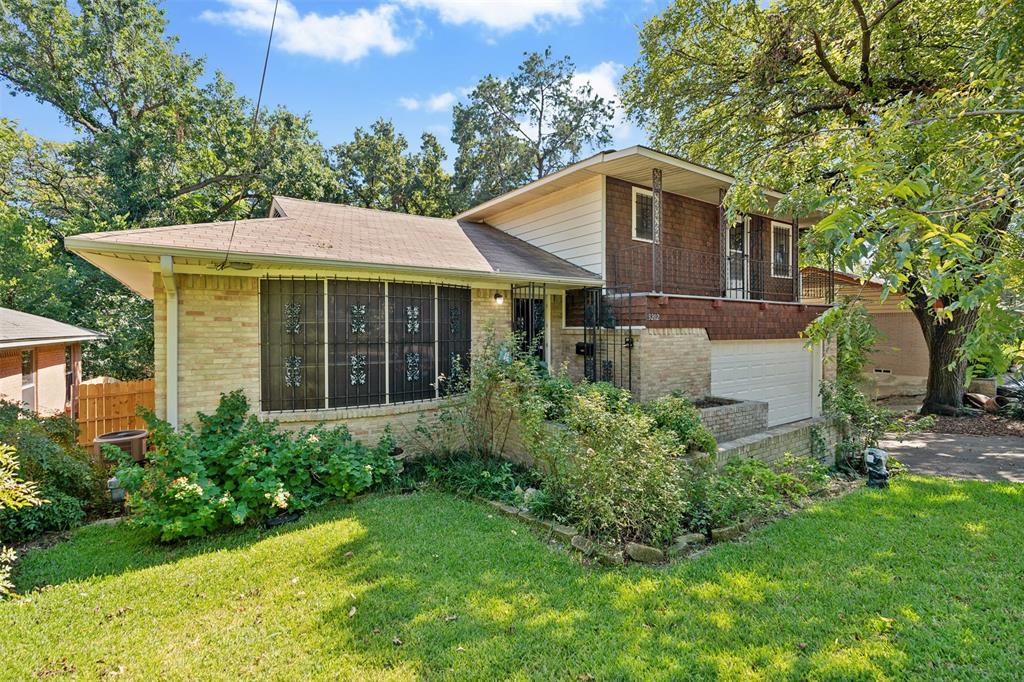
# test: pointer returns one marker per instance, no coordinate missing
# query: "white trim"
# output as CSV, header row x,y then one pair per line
x,y
327,349
604,227
34,343
648,193
746,260
171,304
789,251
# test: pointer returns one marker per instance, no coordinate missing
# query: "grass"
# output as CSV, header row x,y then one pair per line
x,y
922,581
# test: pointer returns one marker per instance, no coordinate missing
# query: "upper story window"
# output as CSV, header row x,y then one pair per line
x,y
345,343
643,214
782,250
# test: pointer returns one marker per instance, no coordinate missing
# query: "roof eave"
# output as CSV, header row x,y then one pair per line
x,y
83,247
38,341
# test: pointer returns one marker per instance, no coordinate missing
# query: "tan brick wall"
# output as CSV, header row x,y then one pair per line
x,y
10,375
219,351
563,343
218,341
772,445
673,360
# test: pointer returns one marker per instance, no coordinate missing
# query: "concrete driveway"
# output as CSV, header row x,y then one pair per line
x,y
980,458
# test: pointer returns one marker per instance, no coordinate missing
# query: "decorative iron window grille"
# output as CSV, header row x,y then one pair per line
x,y
357,370
346,342
358,321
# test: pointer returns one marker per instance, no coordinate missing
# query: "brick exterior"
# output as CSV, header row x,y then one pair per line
x,y
218,341
740,419
731,320
772,445
219,351
691,248
672,360
51,388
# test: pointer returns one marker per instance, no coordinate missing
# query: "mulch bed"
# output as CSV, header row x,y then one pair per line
x,y
981,425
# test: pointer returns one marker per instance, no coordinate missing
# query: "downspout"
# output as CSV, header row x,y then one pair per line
x,y
171,298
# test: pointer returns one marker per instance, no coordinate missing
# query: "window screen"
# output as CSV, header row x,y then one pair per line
x,y
453,319
356,342
781,250
643,216
411,318
292,334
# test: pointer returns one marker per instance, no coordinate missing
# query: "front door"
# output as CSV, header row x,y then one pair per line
x,y
737,266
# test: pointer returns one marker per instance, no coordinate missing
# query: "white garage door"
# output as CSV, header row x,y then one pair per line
x,y
780,372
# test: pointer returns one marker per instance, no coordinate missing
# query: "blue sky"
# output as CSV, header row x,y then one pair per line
x,y
347,63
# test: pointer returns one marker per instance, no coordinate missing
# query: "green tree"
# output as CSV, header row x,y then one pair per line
x,y
377,170
898,120
524,127
154,147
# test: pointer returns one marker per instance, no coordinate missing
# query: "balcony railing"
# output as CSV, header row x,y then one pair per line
x,y
698,273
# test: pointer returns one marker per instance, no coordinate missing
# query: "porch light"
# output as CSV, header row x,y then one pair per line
x,y
499,298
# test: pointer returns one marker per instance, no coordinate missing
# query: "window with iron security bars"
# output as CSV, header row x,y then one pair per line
x,y
345,342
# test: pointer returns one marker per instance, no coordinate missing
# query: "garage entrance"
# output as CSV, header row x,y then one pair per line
x,y
780,372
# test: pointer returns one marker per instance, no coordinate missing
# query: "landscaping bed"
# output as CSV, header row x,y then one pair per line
x,y
917,582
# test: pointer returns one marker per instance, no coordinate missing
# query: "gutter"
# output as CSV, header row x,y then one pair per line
x,y
171,296
82,246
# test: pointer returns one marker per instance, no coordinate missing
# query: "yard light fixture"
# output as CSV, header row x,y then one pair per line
x,y
499,298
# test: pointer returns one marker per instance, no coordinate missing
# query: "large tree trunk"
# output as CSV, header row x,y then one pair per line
x,y
947,371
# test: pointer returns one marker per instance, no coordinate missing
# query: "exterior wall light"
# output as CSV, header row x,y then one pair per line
x,y
499,298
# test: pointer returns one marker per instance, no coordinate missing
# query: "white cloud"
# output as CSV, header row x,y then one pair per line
x,y
507,15
341,37
604,80
441,102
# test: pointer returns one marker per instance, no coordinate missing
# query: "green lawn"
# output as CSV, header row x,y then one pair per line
x,y
923,581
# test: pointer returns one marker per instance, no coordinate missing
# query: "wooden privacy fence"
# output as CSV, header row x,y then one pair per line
x,y
103,408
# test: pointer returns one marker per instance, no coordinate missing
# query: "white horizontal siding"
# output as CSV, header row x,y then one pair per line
x,y
566,223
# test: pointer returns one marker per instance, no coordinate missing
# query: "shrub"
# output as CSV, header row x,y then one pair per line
x,y
233,469
469,475
617,477
616,399
15,494
746,489
49,457
557,392
676,414
501,391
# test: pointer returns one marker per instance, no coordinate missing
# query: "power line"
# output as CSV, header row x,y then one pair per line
x,y
255,119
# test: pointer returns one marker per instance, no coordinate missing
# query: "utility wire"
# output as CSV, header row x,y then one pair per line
x,y
255,119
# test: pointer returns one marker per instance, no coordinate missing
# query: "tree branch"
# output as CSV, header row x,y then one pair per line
x,y
819,50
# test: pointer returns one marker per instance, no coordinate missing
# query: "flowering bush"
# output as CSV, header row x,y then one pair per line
x,y
233,469
676,414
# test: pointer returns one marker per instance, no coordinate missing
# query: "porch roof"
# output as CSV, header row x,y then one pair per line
x,y
22,330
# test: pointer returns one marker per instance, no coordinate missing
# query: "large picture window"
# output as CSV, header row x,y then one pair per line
x,y
345,343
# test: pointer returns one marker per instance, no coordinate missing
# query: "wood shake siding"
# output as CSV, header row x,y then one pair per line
x,y
691,247
566,223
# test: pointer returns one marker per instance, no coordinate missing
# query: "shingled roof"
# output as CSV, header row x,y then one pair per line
x,y
18,330
311,232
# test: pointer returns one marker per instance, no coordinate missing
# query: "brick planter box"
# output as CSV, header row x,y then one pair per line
x,y
731,419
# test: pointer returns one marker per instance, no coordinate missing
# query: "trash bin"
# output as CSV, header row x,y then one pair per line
x,y
132,441
875,460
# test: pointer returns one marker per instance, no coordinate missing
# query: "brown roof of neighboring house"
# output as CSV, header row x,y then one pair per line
x,y
18,330
308,231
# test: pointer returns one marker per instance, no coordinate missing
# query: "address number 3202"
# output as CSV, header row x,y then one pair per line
x,y
653,317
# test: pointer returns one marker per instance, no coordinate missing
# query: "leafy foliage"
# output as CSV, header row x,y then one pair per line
x,y
376,170
907,140
619,478
677,415
234,469
15,494
748,489
524,127
469,475
65,474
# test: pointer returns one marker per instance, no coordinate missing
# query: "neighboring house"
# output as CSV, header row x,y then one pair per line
x,y
40,361
322,311
898,364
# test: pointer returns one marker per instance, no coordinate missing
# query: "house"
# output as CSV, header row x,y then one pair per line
x,y
898,364
40,361
620,268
